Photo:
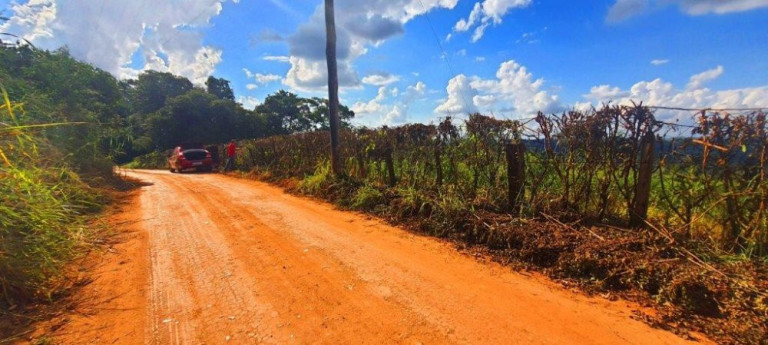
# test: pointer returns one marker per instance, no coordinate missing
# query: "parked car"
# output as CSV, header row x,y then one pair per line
x,y
190,156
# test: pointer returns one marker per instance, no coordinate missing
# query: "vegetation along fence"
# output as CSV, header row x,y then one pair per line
x,y
616,165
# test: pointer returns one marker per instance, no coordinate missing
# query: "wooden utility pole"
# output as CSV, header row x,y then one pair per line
x,y
333,87
639,208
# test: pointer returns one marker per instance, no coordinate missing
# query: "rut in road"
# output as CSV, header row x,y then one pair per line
x,y
241,261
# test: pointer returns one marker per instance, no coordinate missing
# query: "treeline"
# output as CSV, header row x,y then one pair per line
x,y
162,110
154,112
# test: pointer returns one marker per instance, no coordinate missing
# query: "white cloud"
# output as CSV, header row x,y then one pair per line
x,y
657,92
461,52
625,9
698,80
398,115
277,58
659,62
169,33
261,78
479,32
603,92
390,106
414,92
486,13
32,21
312,76
513,91
380,79
460,94
248,102
251,86
372,106
480,59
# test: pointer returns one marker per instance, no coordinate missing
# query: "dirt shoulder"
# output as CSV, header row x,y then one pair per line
x,y
108,301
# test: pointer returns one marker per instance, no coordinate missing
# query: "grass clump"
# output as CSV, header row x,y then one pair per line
x,y
314,183
367,198
41,223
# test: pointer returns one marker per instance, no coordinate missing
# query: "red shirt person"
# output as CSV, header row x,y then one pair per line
x,y
231,149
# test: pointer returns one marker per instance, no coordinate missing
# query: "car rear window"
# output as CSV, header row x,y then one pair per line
x,y
195,154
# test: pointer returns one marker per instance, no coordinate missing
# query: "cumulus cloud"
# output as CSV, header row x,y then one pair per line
x,y
372,106
460,96
395,116
390,106
485,13
514,90
380,79
168,34
312,75
625,9
413,92
359,25
658,92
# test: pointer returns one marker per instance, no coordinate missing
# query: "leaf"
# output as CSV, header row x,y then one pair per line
x,y
744,148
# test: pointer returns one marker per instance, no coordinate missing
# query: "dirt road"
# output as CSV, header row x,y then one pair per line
x,y
240,261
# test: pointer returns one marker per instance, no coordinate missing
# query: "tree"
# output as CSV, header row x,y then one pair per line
x,y
319,114
194,117
287,113
220,88
153,89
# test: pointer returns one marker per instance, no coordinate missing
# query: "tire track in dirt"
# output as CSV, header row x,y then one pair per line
x,y
242,261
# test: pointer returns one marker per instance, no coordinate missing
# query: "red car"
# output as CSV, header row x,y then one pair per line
x,y
190,156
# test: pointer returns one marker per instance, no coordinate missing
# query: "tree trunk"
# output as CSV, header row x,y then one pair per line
x,y
333,87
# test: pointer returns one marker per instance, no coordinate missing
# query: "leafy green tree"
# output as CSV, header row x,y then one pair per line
x,y
153,89
287,113
194,117
220,88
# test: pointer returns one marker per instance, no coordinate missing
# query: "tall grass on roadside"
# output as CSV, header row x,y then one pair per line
x,y
41,201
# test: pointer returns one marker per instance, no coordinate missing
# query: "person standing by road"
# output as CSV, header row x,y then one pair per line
x,y
231,149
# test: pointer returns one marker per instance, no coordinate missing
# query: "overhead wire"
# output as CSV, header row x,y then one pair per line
x,y
443,52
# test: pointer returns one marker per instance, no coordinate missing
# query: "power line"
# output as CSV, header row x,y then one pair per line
x,y
706,109
442,50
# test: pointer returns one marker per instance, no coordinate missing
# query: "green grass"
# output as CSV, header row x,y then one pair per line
x,y
154,160
41,211
314,183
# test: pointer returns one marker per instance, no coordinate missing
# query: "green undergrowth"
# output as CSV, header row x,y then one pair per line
x,y
44,211
153,160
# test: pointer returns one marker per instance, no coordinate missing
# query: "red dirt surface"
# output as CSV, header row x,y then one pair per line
x,y
215,259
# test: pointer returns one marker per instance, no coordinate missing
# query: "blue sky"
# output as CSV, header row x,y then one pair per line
x,y
418,60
